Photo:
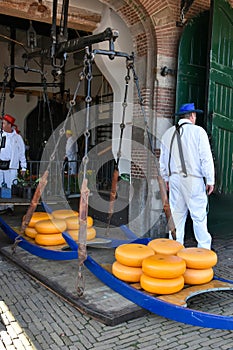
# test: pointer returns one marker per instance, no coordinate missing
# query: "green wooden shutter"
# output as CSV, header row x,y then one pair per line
x,y
191,77
205,77
220,93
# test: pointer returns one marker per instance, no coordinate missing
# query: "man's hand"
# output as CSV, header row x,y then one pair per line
x,y
209,189
22,172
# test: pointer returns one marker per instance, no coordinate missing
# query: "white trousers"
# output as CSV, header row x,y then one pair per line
x,y
8,176
72,167
189,194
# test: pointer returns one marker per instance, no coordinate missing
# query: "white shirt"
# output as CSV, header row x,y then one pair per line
x,y
14,150
71,149
196,150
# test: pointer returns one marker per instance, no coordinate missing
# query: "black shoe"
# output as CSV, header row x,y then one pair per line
x,y
9,212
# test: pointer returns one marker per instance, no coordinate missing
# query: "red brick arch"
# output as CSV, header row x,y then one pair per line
x,y
137,18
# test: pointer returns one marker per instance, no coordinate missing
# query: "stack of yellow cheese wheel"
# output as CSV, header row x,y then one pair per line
x,y
36,216
166,267
72,224
47,228
200,263
163,274
49,232
129,258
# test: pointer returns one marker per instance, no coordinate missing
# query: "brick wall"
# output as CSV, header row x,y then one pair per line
x,y
139,165
155,33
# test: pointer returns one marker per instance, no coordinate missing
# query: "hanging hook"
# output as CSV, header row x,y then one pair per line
x,y
184,8
80,283
182,15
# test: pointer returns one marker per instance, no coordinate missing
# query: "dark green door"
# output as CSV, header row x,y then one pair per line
x,y
205,76
191,78
220,93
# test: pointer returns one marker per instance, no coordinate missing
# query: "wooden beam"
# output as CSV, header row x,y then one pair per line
x,y
79,19
38,93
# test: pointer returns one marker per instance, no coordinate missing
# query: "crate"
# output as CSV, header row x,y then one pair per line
x,y
5,192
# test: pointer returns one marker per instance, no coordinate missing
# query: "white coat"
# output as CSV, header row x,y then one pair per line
x,y
188,193
71,154
14,151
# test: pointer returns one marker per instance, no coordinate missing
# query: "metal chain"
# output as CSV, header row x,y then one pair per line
x,y
3,101
63,128
80,283
182,15
188,5
89,57
184,8
46,101
3,95
141,103
18,239
166,207
83,206
129,63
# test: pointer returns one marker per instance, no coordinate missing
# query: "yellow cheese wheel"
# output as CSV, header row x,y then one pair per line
x,y
72,222
194,276
198,258
64,213
163,266
132,254
91,233
30,232
90,221
49,240
165,246
37,216
50,226
126,273
161,285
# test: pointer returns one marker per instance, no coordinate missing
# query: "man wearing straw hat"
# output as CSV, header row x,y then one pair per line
x,y
187,167
12,155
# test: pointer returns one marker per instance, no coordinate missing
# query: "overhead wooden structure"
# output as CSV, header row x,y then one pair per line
x,y
41,11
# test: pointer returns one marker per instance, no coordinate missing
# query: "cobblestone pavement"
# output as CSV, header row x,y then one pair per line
x,y
34,317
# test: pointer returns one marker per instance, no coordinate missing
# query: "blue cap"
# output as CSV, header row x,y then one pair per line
x,y
188,108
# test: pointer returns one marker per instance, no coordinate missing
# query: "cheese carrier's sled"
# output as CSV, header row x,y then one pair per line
x,y
169,306
172,307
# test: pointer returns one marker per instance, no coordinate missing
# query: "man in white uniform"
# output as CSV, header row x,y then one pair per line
x,y
12,150
187,167
71,153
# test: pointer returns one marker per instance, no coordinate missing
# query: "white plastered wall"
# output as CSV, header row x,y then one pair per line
x,y
115,72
